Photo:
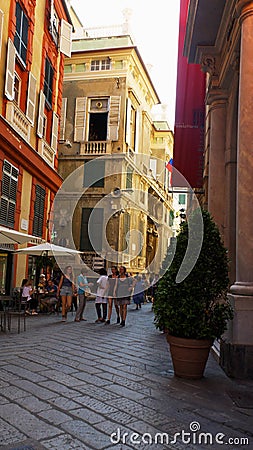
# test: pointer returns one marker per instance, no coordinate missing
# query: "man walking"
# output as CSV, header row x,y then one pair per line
x,y
83,291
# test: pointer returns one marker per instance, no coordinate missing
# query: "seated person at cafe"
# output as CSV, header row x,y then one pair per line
x,y
49,300
41,284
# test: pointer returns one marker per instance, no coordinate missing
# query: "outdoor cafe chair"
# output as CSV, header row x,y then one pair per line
x,y
18,311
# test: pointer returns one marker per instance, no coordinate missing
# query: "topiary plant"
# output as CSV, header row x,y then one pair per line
x,y
197,307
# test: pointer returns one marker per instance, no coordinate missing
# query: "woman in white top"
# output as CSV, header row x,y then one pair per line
x,y
27,291
101,299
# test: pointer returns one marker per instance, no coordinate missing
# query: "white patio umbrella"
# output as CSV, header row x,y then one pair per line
x,y
9,236
48,249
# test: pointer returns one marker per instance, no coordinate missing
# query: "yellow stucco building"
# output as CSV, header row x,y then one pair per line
x,y
113,155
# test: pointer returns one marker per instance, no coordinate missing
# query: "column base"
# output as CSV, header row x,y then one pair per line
x,y
237,360
236,350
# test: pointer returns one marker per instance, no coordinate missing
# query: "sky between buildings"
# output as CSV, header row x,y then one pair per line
x,y
154,27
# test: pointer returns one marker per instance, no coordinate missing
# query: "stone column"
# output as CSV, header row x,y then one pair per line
x,y
216,169
238,353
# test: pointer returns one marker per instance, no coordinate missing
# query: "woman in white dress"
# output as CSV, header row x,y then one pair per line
x,y
101,299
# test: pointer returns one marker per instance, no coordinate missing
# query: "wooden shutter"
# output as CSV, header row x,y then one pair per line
x,y
8,195
137,131
94,174
54,136
80,115
31,97
114,117
153,166
91,238
10,71
66,38
63,119
39,206
40,126
128,122
1,28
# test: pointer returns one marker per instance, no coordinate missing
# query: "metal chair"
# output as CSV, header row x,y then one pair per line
x,y
17,311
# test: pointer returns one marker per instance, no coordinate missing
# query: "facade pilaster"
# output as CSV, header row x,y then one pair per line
x,y
237,351
244,242
217,101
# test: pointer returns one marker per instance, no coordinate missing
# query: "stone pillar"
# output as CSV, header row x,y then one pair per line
x,y
216,169
237,353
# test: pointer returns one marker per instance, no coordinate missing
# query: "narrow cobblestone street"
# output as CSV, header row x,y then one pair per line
x,y
84,386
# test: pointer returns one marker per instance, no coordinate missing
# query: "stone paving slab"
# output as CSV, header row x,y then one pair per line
x,y
25,445
70,386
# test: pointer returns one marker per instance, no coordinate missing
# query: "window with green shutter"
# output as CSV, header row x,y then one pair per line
x,y
126,229
8,194
171,218
94,173
39,206
181,199
129,178
91,239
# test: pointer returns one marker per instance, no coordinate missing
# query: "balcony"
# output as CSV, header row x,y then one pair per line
x,y
95,148
46,152
18,120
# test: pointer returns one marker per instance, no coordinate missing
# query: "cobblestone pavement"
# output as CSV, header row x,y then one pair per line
x,y
93,386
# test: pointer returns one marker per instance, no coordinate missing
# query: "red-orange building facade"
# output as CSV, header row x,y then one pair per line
x,y
34,39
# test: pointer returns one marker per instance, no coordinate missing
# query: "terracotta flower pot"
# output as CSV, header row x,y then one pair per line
x,y
189,356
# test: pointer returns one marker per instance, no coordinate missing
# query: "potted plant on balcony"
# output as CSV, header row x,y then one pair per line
x,y
195,311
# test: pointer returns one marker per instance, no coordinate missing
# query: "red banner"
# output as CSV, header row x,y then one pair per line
x,y
189,115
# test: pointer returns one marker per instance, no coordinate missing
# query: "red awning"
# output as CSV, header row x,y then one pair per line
x,y
189,116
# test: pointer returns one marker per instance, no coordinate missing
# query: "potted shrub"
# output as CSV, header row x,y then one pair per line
x,y
195,311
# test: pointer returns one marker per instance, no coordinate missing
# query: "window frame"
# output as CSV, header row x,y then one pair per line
x,y
48,83
21,34
54,25
129,177
181,199
100,64
17,88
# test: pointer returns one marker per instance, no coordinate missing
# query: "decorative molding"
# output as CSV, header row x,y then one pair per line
x,y
217,97
244,8
208,64
235,62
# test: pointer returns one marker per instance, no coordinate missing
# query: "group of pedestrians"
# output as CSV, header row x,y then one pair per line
x,y
115,289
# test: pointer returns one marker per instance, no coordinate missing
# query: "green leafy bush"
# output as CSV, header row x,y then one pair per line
x,y
197,307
